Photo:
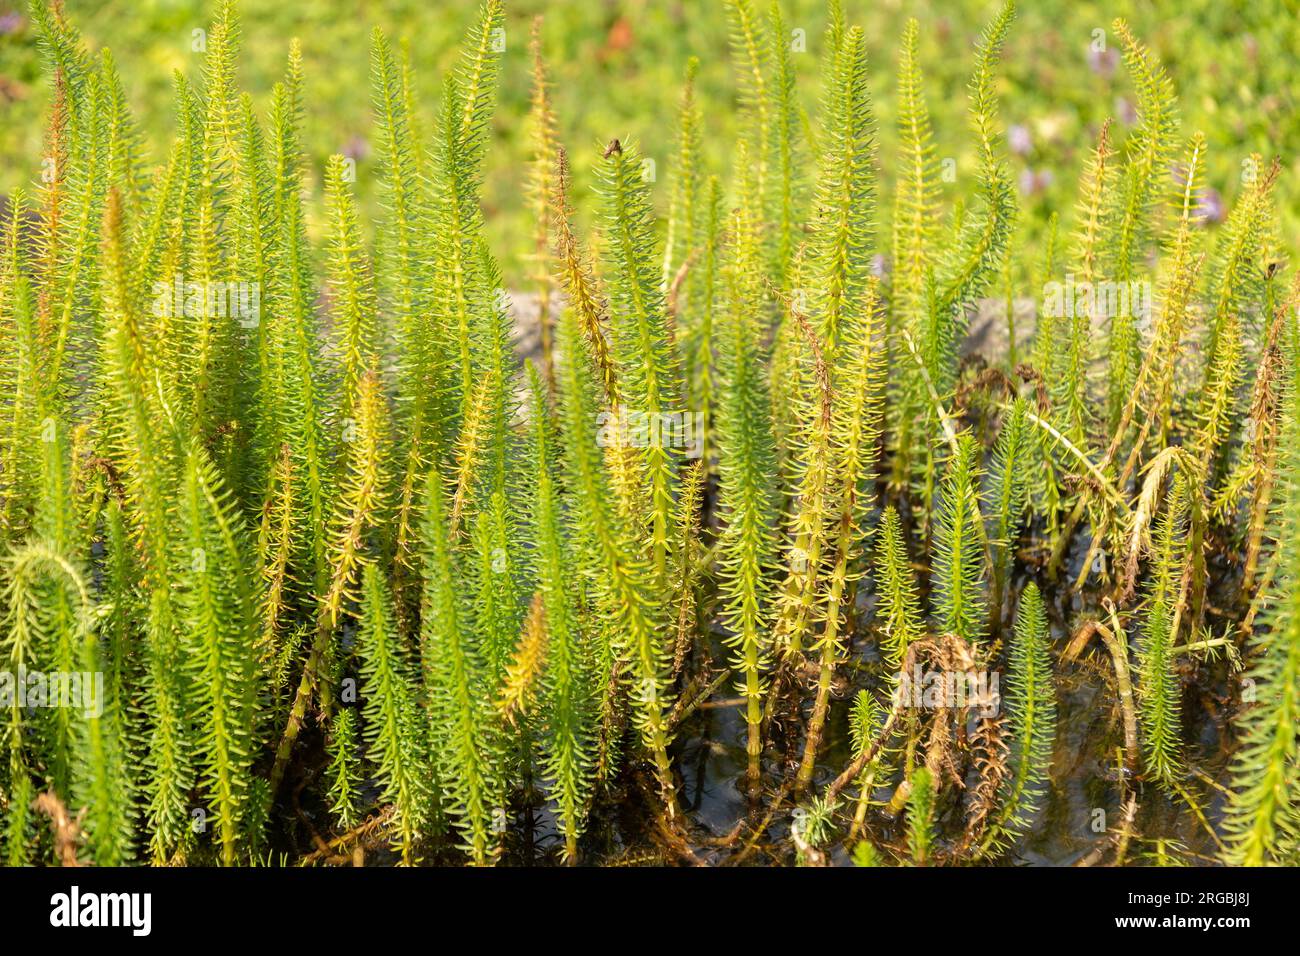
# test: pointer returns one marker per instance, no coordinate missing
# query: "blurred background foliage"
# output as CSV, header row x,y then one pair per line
x,y
617,66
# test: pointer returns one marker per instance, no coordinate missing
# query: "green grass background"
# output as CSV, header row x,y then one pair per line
x,y
617,67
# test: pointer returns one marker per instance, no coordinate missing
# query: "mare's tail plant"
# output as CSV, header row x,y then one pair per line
x,y
337,557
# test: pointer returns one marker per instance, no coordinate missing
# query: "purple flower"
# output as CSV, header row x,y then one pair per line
x,y
1126,111
356,149
10,23
1103,62
1018,139
1034,182
1210,208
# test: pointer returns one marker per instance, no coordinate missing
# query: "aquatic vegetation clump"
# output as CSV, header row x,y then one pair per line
x,y
340,572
